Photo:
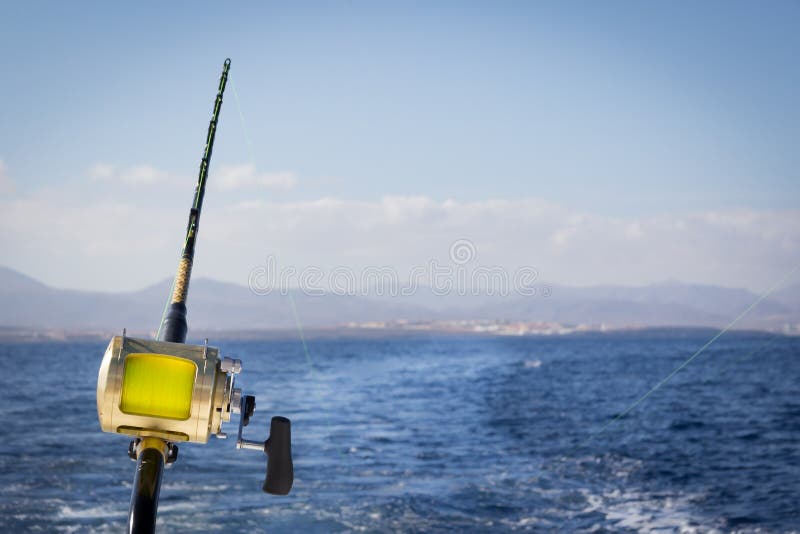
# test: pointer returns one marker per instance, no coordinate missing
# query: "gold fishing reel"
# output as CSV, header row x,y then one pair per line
x,y
172,391
176,392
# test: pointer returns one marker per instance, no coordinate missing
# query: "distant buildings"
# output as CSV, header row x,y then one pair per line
x,y
481,326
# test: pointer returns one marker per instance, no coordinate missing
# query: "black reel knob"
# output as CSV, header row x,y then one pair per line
x,y
280,470
248,407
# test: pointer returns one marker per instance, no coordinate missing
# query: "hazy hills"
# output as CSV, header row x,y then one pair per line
x,y
214,305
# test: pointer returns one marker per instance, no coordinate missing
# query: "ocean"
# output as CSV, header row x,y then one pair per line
x,y
434,434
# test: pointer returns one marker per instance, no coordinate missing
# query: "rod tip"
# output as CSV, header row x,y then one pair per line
x,y
227,62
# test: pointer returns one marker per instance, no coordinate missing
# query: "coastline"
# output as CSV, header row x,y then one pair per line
x,y
43,335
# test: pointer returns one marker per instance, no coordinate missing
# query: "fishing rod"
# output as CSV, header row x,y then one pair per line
x,y
164,391
174,325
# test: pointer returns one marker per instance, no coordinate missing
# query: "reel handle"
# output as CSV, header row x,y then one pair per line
x,y
278,447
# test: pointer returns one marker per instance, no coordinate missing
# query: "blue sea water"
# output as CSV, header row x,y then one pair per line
x,y
435,434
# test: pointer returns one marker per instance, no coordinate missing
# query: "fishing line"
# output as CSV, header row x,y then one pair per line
x,y
292,304
298,324
687,362
691,358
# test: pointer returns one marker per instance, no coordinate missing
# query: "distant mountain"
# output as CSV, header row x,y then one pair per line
x,y
213,305
664,304
789,297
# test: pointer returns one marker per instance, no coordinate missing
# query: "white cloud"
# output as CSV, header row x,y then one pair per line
x,y
101,171
7,185
133,175
100,242
230,177
563,245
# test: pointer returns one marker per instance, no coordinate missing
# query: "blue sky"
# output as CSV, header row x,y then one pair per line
x,y
628,112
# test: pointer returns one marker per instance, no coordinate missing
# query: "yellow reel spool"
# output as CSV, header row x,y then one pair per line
x,y
158,385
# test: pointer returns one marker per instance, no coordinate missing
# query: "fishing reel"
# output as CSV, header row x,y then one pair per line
x,y
173,392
